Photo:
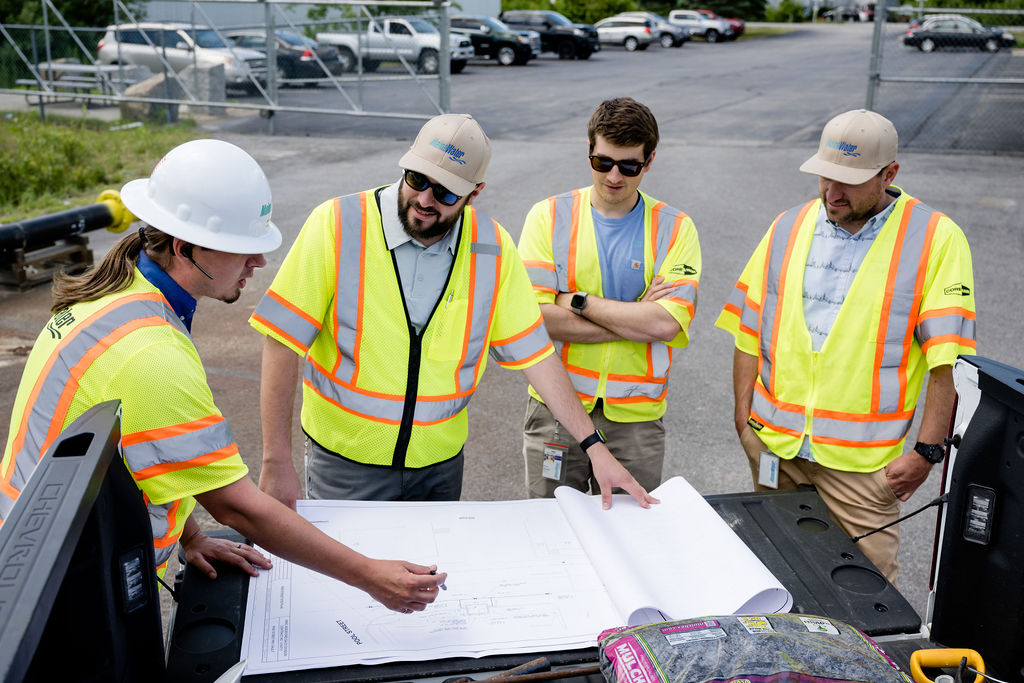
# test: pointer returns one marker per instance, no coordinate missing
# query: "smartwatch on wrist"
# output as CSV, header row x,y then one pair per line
x,y
932,452
578,302
591,440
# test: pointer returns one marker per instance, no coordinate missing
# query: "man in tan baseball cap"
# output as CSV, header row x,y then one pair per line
x,y
845,306
391,301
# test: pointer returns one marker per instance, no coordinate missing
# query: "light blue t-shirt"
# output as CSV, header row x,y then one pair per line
x,y
620,250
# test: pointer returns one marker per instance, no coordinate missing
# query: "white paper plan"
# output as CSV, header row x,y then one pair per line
x,y
519,578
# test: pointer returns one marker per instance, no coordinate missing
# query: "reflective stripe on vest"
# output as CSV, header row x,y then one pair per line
x,y
47,408
341,384
887,422
652,386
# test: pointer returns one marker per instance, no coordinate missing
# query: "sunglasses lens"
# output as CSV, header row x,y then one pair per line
x,y
416,181
601,164
444,195
630,168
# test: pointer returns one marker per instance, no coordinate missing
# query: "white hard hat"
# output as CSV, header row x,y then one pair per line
x,y
209,193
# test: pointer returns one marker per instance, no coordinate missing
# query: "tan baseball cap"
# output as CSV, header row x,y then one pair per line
x,y
854,147
451,149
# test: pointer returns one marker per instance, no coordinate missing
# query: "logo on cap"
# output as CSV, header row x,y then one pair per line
x,y
846,148
265,210
453,152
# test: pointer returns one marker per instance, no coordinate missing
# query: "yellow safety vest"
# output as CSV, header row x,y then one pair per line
x,y
373,391
129,346
910,308
559,248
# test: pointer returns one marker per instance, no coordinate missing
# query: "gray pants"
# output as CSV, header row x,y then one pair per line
x,y
331,477
639,446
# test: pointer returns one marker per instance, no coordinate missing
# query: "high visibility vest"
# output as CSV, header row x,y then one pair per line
x,y
559,248
374,391
129,346
909,308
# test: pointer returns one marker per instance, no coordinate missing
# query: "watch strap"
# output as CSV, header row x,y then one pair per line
x,y
932,452
591,440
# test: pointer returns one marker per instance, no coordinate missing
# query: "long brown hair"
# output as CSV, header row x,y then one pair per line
x,y
115,271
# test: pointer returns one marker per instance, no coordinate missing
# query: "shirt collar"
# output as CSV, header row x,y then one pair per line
x,y
870,229
181,302
395,234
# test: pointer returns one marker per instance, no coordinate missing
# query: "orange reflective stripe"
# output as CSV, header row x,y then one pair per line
x,y
167,468
360,298
525,333
169,538
529,358
951,310
950,339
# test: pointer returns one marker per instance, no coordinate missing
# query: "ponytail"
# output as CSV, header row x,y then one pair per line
x,y
115,272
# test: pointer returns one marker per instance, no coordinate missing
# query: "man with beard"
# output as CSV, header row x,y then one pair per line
x,y
393,298
844,306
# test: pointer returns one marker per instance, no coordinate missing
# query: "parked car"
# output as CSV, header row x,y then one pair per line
x,y
953,30
388,39
712,30
841,14
738,25
632,33
666,33
494,40
295,54
149,43
557,33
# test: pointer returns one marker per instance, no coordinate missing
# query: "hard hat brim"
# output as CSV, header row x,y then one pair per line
x,y
136,200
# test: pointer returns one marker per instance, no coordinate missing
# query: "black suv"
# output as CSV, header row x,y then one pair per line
x,y
493,40
557,34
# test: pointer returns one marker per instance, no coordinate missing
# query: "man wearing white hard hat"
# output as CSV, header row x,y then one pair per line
x,y
391,299
123,331
848,301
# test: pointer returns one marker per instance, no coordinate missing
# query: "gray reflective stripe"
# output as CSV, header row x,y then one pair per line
x,y
160,526
179,448
542,277
686,292
286,320
649,390
485,265
562,231
774,278
379,407
860,432
521,348
902,315
584,384
666,223
945,325
775,416
748,316
350,210
80,341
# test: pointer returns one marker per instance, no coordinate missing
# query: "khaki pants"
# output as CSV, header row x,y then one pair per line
x,y
857,501
639,446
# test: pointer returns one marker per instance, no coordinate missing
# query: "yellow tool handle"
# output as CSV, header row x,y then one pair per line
x,y
943,657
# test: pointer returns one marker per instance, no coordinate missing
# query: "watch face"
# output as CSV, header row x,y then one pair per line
x,y
578,301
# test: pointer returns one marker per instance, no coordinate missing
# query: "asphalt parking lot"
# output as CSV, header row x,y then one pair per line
x,y
736,119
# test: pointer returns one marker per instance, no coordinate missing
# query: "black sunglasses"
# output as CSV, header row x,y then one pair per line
x,y
419,182
627,167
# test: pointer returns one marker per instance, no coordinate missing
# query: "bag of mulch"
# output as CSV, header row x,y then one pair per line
x,y
754,649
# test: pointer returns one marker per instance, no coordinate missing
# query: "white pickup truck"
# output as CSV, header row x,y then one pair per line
x,y
416,40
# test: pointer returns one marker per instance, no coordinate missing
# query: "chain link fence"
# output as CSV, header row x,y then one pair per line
x,y
58,62
950,78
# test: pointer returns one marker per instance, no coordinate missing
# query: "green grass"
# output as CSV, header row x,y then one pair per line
x,y
765,31
64,162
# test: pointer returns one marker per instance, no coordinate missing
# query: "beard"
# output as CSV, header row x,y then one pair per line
x,y
416,228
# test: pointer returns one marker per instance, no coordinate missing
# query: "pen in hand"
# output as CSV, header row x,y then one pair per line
x,y
433,572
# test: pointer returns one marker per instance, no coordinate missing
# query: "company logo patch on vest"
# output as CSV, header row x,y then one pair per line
x,y
683,269
961,289
846,148
453,152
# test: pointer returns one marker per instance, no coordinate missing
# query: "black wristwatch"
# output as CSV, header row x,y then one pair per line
x,y
598,435
578,302
932,452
